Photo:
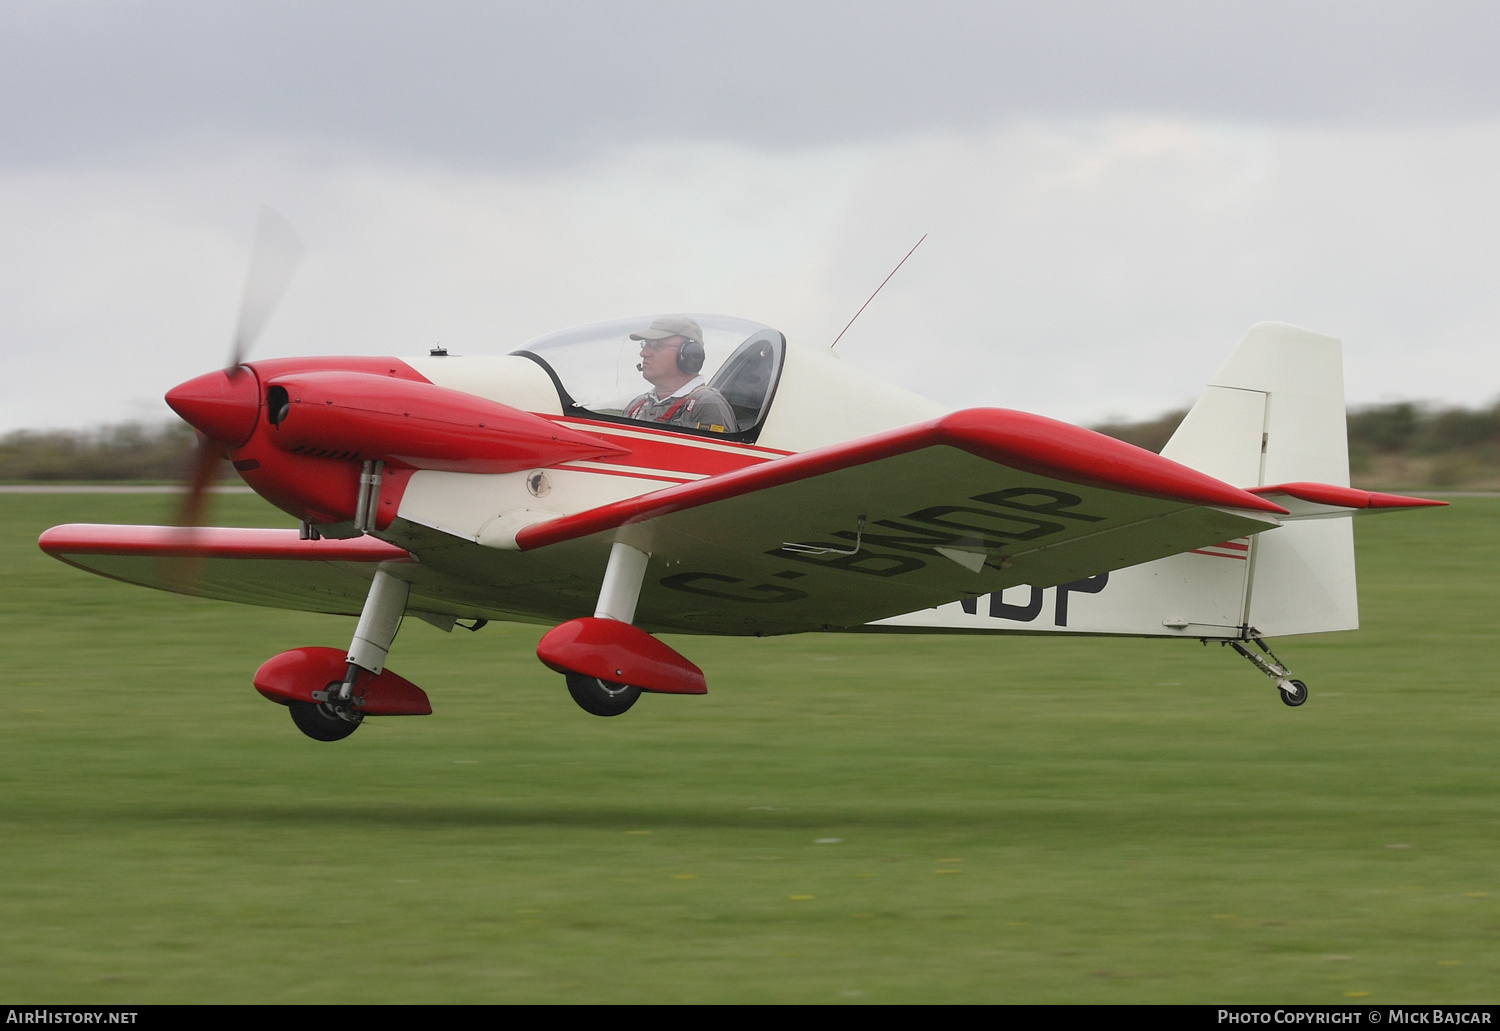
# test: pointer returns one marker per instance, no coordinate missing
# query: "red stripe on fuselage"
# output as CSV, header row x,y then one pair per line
x,y
657,477
663,450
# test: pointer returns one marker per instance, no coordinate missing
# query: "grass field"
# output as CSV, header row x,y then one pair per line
x,y
842,819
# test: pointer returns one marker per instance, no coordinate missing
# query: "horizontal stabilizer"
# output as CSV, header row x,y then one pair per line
x,y
1324,500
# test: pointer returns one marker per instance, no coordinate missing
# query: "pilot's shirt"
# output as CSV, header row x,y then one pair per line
x,y
695,405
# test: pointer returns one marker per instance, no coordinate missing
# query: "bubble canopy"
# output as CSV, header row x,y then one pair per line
x,y
597,370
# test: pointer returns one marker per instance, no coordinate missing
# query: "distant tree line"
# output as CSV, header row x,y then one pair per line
x,y
1404,428
132,451
135,451
1152,434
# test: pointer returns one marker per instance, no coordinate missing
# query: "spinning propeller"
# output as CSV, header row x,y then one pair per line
x,y
214,404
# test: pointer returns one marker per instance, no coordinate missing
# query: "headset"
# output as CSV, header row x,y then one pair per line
x,y
690,356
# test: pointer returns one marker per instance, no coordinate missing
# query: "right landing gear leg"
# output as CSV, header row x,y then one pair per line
x,y
334,714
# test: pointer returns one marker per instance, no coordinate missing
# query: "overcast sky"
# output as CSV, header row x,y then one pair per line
x,y
1113,193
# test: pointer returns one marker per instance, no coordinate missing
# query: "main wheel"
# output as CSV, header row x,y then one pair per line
x,y
1297,695
601,697
318,723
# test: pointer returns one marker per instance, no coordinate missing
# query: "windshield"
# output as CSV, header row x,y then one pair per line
x,y
699,373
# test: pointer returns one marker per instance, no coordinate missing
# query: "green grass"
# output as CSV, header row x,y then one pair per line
x,y
1016,819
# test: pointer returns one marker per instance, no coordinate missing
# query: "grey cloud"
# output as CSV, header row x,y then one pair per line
x,y
484,84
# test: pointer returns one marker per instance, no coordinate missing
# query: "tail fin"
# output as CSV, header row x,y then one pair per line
x,y
1274,413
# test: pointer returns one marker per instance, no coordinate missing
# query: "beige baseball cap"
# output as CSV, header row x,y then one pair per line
x,y
671,326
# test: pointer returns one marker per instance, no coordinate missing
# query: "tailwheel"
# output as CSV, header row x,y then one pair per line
x,y
321,723
600,697
1293,692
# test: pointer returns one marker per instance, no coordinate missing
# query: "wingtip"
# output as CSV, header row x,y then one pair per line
x,y
50,537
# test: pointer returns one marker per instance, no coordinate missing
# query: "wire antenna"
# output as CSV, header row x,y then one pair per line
x,y
879,288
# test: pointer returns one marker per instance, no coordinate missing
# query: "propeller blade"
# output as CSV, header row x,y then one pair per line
x,y
183,573
273,260
205,468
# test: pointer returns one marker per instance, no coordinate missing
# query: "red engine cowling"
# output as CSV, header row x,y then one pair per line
x,y
298,429
359,416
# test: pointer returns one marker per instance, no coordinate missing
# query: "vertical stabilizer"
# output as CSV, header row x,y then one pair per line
x,y
1274,413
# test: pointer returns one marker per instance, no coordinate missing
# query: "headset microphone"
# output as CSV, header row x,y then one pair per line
x,y
640,366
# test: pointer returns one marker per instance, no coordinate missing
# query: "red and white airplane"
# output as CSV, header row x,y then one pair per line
x,y
702,475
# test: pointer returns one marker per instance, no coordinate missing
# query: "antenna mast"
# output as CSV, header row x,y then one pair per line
x,y
879,288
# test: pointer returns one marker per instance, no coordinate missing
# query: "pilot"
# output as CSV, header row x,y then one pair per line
x,y
671,360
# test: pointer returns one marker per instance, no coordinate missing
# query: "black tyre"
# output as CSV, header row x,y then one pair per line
x,y
601,697
319,724
1297,695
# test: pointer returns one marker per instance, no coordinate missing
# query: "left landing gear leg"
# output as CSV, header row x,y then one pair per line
x,y
1293,692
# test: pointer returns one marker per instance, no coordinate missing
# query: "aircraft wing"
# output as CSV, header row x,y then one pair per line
x,y
254,566
964,505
